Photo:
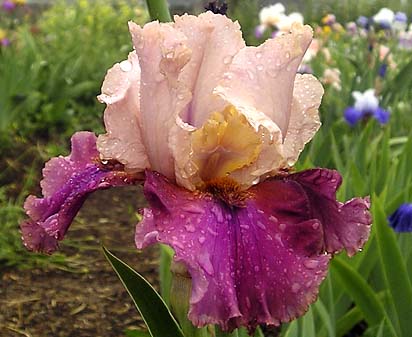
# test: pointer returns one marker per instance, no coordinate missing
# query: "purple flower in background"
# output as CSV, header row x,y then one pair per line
x,y
401,17
8,5
259,31
366,105
401,219
363,22
351,28
382,70
214,152
5,42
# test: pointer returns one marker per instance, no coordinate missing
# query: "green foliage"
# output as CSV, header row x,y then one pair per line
x,y
51,87
151,306
49,90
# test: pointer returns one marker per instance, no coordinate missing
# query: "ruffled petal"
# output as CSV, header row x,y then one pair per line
x,y
67,183
262,78
345,225
260,263
162,53
241,145
214,40
304,117
123,140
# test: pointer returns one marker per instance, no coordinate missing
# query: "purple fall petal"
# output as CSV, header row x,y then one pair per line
x,y
261,263
67,183
345,225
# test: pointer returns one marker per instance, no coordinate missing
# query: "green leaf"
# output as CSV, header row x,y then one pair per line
x,y
362,294
151,306
165,276
308,324
159,10
292,330
327,320
137,333
394,268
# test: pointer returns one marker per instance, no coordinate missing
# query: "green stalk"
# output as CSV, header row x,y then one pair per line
x,y
220,333
159,10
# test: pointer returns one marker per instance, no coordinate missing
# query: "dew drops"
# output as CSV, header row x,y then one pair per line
x,y
260,225
287,55
201,239
227,76
295,287
227,59
272,72
125,66
311,264
259,67
315,225
190,228
282,226
258,55
169,55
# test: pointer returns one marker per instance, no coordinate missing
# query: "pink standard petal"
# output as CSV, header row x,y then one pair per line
x,y
67,183
304,117
123,140
162,54
214,40
248,265
262,78
345,225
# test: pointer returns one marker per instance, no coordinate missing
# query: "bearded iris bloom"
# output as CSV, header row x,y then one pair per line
x,y
366,105
212,128
401,219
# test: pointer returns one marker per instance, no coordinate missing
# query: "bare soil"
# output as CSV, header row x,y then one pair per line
x,y
87,300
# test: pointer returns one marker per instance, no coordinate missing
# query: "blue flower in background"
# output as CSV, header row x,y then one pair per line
x,y
401,219
366,105
363,22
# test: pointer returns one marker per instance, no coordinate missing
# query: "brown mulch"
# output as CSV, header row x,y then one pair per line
x,y
88,300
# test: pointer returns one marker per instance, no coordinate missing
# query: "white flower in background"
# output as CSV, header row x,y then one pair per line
x,y
384,17
332,76
286,22
271,15
274,17
365,101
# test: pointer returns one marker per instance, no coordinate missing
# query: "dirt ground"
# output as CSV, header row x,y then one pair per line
x,y
90,301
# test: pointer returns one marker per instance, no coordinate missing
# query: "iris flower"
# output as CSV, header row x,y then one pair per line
x,y
366,105
212,129
401,219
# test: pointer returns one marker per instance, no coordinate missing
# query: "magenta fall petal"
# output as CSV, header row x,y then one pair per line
x,y
261,263
345,225
67,183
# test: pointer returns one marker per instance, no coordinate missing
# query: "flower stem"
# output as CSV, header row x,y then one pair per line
x,y
159,10
220,333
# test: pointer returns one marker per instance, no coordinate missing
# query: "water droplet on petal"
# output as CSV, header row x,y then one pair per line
x,y
295,287
259,67
227,59
311,264
258,55
287,55
125,66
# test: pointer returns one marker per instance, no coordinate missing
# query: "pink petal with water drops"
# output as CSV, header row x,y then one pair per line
x,y
345,225
123,141
162,53
304,117
250,264
262,78
214,40
67,183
